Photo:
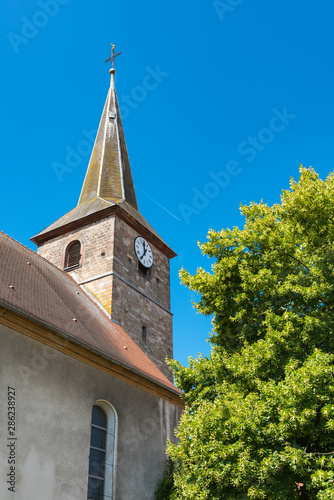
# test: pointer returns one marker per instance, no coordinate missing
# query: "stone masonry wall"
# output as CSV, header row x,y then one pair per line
x,y
142,301
109,271
133,311
97,245
126,265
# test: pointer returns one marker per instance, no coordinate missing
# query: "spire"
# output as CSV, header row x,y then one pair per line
x,y
109,174
108,186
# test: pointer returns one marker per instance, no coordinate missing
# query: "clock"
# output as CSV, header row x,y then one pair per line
x,y
144,252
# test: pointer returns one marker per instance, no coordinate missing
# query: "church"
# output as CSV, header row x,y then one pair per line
x,y
88,401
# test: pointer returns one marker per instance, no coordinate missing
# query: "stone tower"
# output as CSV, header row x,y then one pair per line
x,y
108,247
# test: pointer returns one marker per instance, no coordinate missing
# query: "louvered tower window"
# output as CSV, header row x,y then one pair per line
x,y
73,255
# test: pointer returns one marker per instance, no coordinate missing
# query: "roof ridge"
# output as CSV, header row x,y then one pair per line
x,y
18,242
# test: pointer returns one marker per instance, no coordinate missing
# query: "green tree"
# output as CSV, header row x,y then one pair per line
x,y
259,416
165,487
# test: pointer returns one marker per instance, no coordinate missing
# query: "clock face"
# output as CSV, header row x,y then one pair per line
x,y
143,252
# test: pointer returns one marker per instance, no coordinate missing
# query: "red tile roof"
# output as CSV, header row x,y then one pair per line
x,y
34,287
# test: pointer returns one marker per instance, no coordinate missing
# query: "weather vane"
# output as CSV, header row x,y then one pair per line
x,y
113,55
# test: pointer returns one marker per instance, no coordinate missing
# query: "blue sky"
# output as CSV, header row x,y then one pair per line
x,y
221,102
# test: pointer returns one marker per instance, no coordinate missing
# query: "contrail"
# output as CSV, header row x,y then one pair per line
x,y
159,204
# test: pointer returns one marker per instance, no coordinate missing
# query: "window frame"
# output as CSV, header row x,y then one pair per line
x,y
110,449
146,272
101,463
66,267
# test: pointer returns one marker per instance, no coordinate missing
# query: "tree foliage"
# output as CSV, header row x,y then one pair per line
x,y
259,420
165,488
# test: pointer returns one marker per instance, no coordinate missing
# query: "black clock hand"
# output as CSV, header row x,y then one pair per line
x,y
144,249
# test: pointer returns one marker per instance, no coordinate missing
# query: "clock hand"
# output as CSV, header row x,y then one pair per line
x,y
145,250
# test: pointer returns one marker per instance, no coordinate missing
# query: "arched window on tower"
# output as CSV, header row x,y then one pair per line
x,y
72,255
101,483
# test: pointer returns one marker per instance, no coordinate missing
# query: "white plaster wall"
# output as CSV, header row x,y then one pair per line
x,y
54,398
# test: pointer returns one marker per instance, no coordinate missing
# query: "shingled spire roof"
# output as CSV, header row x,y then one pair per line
x,y
108,186
109,174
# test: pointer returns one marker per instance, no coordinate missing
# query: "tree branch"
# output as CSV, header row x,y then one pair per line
x,y
304,265
311,453
299,261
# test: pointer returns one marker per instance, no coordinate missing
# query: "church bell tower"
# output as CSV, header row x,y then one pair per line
x,y
108,247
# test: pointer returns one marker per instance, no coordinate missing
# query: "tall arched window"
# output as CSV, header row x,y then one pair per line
x,y
97,454
72,255
101,483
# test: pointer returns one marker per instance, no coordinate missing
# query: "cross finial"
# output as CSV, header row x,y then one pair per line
x,y
113,55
